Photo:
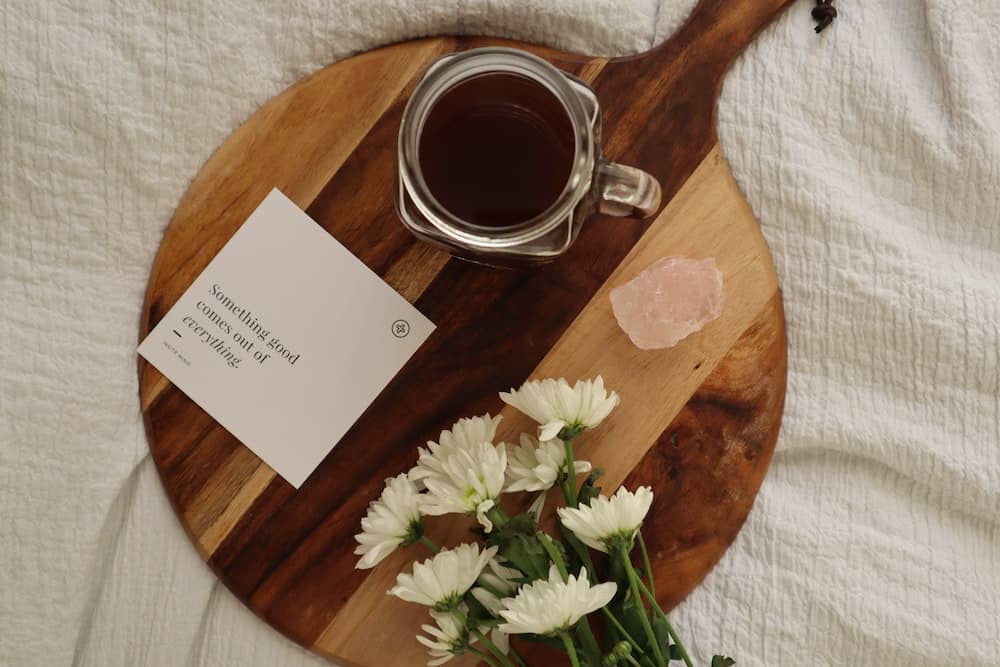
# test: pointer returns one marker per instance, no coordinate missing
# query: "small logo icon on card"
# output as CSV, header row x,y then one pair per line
x,y
400,328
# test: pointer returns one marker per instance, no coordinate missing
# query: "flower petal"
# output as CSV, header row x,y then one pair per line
x,y
551,429
390,520
548,606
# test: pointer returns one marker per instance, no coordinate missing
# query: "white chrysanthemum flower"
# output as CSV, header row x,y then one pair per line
x,y
546,607
494,584
469,482
392,520
441,581
535,466
447,639
557,406
463,472
465,434
608,523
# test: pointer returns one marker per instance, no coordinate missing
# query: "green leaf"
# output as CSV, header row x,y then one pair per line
x,y
522,524
722,661
662,635
628,614
558,547
527,554
477,614
616,572
578,555
516,542
589,489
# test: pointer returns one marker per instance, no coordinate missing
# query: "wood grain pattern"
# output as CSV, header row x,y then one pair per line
x,y
698,422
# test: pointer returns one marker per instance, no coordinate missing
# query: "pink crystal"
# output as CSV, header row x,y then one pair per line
x,y
669,301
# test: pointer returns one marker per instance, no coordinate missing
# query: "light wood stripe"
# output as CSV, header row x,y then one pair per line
x,y
212,500
709,202
590,71
155,384
416,270
219,529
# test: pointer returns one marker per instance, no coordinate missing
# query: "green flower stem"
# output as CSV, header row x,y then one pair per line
x,y
569,490
494,649
587,640
497,516
633,661
580,550
620,628
670,628
484,657
463,619
429,543
634,583
517,656
570,648
645,564
553,552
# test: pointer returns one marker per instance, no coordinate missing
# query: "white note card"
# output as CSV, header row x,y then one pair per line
x,y
285,338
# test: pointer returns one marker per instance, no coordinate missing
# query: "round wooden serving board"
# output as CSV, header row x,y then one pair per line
x,y
697,422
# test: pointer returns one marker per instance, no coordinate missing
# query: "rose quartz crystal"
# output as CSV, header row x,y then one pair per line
x,y
669,301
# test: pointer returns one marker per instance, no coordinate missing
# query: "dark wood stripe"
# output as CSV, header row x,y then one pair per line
x,y
263,508
197,465
356,206
178,424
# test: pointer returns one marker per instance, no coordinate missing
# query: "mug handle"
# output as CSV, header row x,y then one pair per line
x,y
626,191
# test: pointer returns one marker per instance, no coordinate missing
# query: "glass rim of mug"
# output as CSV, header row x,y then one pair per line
x,y
449,71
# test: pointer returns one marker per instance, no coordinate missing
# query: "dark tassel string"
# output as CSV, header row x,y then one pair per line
x,y
824,12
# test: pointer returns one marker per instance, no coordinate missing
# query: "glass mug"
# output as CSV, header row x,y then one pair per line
x,y
499,159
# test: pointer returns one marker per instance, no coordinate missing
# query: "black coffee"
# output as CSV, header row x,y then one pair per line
x,y
497,149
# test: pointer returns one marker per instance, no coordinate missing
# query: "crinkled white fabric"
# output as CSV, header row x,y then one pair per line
x,y
871,155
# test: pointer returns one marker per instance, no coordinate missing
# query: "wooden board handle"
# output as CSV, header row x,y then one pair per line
x,y
716,32
659,106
